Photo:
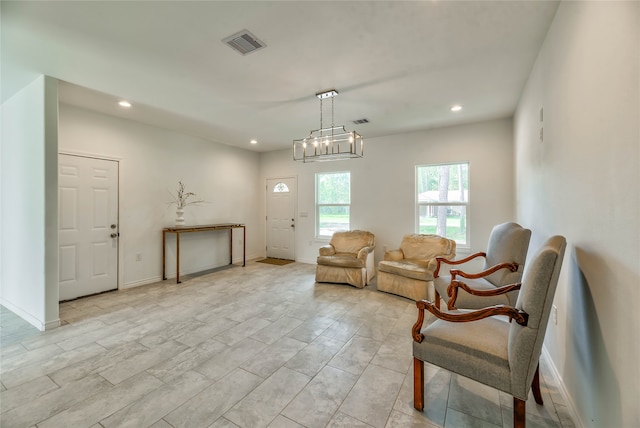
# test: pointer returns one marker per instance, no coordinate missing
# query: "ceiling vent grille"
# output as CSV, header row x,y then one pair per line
x,y
244,42
361,121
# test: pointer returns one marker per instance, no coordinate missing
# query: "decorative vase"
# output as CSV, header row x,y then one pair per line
x,y
180,216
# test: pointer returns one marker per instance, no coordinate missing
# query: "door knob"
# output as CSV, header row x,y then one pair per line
x,y
114,235
113,226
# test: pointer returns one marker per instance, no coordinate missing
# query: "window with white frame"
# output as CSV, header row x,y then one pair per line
x,y
442,201
333,202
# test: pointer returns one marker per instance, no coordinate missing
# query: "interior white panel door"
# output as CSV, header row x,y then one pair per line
x,y
281,203
88,225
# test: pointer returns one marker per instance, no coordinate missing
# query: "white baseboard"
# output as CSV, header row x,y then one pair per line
x,y
571,408
140,282
183,272
40,325
50,325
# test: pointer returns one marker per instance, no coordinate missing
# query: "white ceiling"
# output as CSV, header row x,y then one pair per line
x,y
400,64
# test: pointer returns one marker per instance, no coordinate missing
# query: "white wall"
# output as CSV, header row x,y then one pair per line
x,y
383,182
29,212
583,182
152,160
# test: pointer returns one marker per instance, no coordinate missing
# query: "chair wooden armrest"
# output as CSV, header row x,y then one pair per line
x,y
513,267
452,291
519,316
455,262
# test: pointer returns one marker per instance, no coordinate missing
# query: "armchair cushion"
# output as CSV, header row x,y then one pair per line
x,y
341,260
352,241
469,351
466,300
509,242
422,248
409,270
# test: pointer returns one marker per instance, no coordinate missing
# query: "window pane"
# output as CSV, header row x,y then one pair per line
x,y
332,219
334,188
443,200
443,183
280,188
332,202
444,220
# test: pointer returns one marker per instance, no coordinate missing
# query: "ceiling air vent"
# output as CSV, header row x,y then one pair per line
x,y
244,42
361,121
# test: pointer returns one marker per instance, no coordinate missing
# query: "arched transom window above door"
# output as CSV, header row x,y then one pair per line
x,y
280,188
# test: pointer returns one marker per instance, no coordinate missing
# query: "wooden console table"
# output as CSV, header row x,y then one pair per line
x,y
203,228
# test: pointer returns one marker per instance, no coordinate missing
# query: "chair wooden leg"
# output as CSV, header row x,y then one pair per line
x,y
535,386
418,384
519,409
437,299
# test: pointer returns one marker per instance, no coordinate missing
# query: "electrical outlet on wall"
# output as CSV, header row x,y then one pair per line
x,y
554,314
138,257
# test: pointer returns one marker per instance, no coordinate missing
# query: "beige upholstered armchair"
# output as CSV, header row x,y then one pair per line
x,y
348,259
503,265
481,344
408,270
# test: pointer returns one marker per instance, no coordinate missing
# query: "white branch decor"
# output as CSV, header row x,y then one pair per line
x,y
180,199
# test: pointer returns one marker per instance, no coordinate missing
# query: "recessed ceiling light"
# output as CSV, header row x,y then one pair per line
x,y
456,108
254,142
124,103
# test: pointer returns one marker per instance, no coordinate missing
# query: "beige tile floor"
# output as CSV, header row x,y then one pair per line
x,y
259,346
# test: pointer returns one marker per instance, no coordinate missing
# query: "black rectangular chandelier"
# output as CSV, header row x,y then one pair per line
x,y
327,144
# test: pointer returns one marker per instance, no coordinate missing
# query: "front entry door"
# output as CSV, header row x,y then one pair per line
x,y
88,225
281,203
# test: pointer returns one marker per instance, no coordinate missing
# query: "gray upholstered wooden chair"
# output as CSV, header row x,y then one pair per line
x,y
503,265
482,346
